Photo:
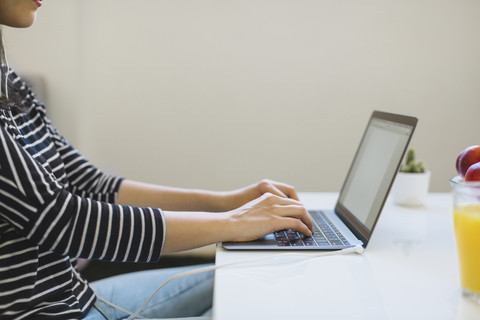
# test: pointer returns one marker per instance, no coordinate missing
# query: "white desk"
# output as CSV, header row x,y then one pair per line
x,y
409,271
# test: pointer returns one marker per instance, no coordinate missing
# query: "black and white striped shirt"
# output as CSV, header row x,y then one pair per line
x,y
56,207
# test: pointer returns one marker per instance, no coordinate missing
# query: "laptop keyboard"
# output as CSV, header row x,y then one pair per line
x,y
324,234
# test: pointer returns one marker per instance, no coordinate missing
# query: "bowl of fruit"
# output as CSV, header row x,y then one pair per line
x,y
468,165
468,169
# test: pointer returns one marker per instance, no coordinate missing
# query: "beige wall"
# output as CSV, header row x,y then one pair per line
x,y
218,94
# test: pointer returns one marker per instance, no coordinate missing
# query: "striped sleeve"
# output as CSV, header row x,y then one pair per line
x,y
83,178
57,219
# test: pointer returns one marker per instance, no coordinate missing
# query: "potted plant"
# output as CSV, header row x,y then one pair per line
x,y
412,182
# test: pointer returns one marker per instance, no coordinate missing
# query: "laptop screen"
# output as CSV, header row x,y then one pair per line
x,y
373,170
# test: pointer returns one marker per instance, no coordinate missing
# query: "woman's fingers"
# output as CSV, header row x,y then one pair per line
x,y
299,226
270,199
278,189
294,217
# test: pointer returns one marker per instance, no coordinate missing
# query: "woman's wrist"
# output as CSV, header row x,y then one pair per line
x,y
222,201
208,228
208,201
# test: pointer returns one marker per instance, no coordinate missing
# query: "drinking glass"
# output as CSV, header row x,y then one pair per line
x,y
466,212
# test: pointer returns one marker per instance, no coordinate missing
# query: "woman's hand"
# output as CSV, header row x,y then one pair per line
x,y
267,214
237,198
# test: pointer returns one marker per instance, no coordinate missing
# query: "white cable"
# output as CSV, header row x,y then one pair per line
x,y
357,249
131,314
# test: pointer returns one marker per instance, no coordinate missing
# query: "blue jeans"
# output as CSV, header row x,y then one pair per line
x,y
189,296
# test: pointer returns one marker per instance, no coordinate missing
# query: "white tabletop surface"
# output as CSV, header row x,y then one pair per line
x,y
408,271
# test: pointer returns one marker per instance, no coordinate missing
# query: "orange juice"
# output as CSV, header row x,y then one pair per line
x,y
467,231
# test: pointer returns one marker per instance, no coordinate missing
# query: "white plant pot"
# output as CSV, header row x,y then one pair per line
x,y
411,189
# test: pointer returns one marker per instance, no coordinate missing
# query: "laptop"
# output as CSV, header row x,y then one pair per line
x,y
362,196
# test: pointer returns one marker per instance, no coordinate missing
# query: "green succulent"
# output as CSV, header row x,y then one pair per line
x,y
410,164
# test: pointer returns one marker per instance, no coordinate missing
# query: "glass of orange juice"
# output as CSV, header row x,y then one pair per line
x,y
466,211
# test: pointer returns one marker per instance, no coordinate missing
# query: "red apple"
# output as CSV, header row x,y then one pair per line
x,y
473,173
466,158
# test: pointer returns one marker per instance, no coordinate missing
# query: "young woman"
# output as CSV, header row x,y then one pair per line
x,y
56,207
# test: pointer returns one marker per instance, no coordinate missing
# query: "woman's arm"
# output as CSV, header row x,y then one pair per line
x,y
269,213
206,217
141,194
